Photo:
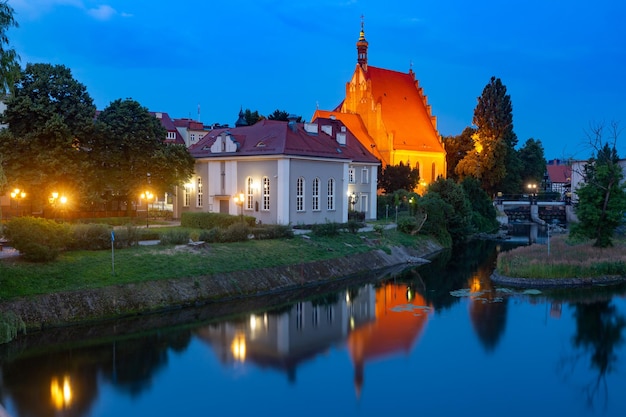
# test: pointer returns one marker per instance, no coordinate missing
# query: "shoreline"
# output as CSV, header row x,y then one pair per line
x,y
555,283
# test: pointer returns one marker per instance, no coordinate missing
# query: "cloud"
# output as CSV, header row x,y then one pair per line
x,y
103,12
34,9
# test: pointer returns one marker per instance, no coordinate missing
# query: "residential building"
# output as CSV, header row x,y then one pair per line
x,y
173,136
190,130
390,115
287,172
558,177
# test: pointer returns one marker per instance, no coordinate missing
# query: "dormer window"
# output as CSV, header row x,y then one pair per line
x,y
261,144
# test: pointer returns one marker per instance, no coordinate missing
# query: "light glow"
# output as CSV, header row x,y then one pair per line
x,y
61,393
238,347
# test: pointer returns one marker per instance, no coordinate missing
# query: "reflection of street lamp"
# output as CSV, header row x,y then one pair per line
x,y
147,195
239,199
18,195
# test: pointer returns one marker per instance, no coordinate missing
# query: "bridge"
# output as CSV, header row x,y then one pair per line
x,y
528,209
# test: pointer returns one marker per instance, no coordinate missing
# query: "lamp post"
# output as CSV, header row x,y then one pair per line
x,y
239,199
54,198
352,199
147,195
532,191
18,195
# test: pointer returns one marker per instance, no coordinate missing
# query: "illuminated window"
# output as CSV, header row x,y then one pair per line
x,y
433,172
266,194
330,201
249,194
300,194
200,193
315,202
186,196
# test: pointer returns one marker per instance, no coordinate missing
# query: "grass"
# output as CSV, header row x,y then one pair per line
x,y
567,259
93,269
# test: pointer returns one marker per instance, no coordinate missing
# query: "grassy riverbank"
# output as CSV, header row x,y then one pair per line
x,y
567,259
87,270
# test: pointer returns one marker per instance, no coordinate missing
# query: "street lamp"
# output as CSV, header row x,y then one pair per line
x,y
239,199
54,198
18,195
147,195
532,190
352,199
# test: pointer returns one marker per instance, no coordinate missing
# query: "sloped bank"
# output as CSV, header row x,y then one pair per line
x,y
555,282
76,307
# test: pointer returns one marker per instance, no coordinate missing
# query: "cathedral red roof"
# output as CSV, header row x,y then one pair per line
x,y
405,111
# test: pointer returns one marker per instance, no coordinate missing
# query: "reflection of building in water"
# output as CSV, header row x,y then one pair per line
x,y
400,317
284,339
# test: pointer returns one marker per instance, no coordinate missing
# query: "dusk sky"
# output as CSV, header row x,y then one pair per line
x,y
563,62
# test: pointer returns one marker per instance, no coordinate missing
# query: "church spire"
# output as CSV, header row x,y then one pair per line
x,y
361,48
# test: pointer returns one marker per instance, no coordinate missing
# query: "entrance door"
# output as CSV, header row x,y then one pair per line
x,y
224,206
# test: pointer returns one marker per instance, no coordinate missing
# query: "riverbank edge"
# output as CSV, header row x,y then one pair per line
x,y
120,301
555,283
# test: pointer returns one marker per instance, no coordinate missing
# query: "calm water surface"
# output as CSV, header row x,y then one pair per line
x,y
439,340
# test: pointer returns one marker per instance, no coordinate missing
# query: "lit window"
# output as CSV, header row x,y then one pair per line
x,y
186,196
199,195
300,194
249,194
315,202
266,194
433,173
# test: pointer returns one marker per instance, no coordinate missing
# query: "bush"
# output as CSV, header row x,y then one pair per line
x,y
237,232
90,237
37,239
407,224
127,236
357,216
272,231
326,229
174,237
212,235
210,220
354,226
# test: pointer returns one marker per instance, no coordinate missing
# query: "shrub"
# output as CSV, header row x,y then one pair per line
x,y
407,224
37,239
357,216
127,236
10,326
237,232
211,220
354,226
212,235
174,237
326,229
272,231
90,237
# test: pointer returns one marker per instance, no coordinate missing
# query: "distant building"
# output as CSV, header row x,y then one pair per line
x,y
287,172
389,114
578,170
558,177
173,136
190,130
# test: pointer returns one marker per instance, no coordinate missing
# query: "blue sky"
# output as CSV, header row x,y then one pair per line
x,y
563,62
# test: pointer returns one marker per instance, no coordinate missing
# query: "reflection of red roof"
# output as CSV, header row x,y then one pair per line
x,y
404,109
559,173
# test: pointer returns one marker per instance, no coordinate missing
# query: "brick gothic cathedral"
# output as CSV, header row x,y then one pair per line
x,y
389,114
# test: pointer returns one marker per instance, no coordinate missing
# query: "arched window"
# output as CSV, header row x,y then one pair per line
x,y
300,194
266,194
249,193
315,201
330,201
433,172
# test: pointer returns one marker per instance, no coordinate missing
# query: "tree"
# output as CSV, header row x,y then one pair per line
x,y
252,117
495,162
533,161
457,148
398,177
602,196
9,60
458,222
50,118
128,154
283,116
484,216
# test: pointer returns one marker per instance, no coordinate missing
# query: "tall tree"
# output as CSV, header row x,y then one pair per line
x,y
128,154
457,147
533,161
9,59
252,116
495,162
282,115
458,222
602,196
50,118
398,177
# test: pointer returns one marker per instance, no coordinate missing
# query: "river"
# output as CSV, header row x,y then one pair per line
x,y
436,340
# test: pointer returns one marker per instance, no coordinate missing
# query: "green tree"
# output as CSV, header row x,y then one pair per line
x,y
495,162
484,216
9,60
282,115
50,118
252,116
533,162
458,222
457,147
602,196
398,177
128,154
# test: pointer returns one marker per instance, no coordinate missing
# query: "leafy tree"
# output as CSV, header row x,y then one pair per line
x,y
398,177
533,161
602,196
252,116
283,116
50,118
484,216
9,60
495,162
458,222
128,154
436,211
457,148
